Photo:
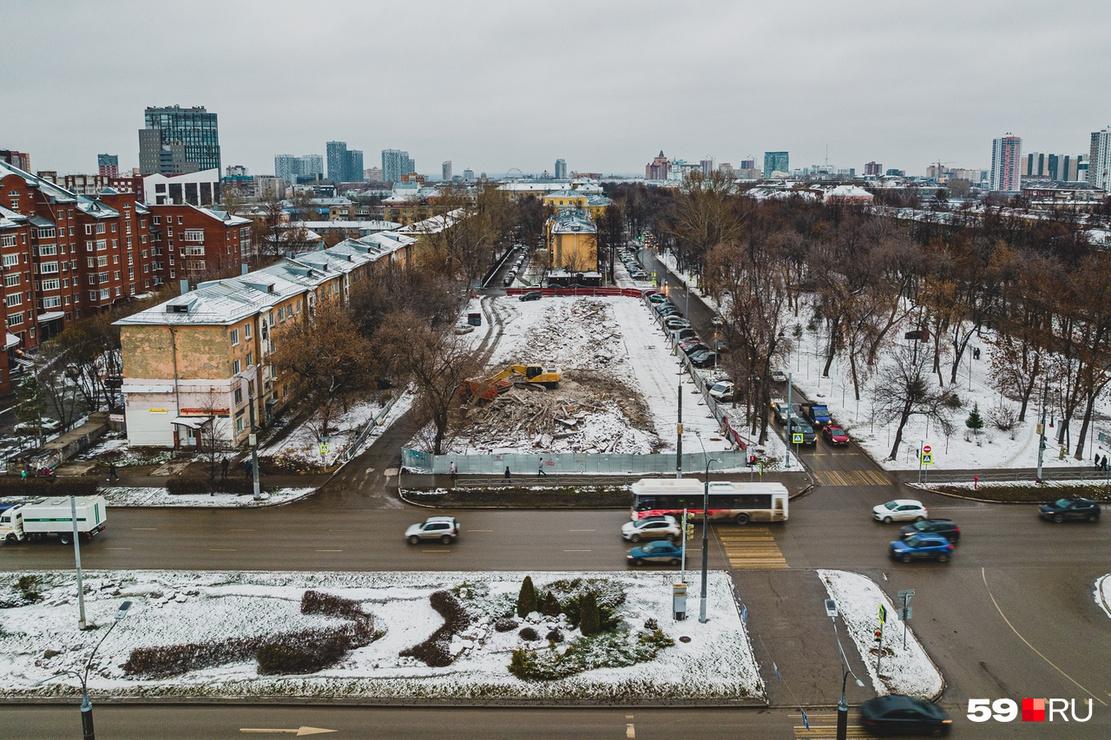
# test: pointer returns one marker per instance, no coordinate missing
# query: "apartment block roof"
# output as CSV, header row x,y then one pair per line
x,y
573,221
228,219
56,194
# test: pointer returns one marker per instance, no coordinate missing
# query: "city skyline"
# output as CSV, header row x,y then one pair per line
x,y
702,106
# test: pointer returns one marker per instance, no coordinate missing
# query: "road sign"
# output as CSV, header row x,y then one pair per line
x,y
883,614
906,612
926,449
927,458
905,596
796,438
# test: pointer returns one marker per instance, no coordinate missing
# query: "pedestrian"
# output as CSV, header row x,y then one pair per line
x,y
454,470
247,467
112,475
540,470
507,472
1099,465
23,472
224,469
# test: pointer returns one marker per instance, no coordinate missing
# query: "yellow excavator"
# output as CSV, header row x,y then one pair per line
x,y
487,389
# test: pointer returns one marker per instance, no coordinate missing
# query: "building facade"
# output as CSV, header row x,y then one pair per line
x,y
658,168
195,188
20,160
194,243
776,162
445,171
572,241
187,140
561,169
1099,160
108,165
1006,166
395,163
873,169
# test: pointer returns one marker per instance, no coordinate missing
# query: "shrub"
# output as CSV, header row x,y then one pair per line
x,y
520,665
610,650
12,485
1003,417
28,586
528,633
284,656
554,636
173,660
974,421
505,624
651,624
195,486
436,650
590,622
526,598
951,400
550,607
318,602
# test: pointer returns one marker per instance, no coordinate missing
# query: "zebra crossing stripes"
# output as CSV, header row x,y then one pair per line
x,y
751,548
852,478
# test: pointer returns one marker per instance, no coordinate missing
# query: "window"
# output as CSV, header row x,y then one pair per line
x,y
235,367
114,228
7,240
47,250
180,220
157,220
88,229
234,336
15,319
51,284
51,302
11,281
46,268
247,331
170,231
13,299
101,245
250,359
238,396
92,295
100,228
194,235
239,422
46,232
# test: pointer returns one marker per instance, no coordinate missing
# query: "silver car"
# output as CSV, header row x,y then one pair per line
x,y
651,528
443,528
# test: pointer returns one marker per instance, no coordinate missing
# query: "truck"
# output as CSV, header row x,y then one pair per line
x,y
51,517
817,413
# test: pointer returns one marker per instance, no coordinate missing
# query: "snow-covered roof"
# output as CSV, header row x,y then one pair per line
x,y
434,225
573,221
57,194
224,217
368,226
9,219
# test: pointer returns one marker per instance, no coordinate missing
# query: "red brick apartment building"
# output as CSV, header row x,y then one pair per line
x,y
198,243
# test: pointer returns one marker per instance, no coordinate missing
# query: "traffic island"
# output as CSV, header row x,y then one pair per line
x,y
1022,492
404,638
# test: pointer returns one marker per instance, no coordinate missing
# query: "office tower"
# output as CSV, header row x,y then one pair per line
x,y
468,175
108,165
561,169
22,160
1006,168
776,162
336,153
873,169
374,174
707,167
193,131
445,171
396,163
353,166
1099,159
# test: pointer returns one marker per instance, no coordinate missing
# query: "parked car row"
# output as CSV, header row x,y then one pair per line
x,y
682,332
632,264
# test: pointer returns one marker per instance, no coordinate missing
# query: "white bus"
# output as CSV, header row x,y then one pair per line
x,y
740,502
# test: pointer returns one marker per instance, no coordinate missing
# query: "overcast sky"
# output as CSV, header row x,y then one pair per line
x,y
605,85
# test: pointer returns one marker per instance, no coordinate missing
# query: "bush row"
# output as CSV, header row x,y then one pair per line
x,y
188,486
12,485
436,650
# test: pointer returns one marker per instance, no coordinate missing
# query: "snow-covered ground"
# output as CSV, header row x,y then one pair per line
x,y
39,637
1048,483
906,670
149,496
961,450
1102,593
612,336
668,259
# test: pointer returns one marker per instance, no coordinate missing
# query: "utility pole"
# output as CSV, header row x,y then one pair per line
x,y
252,439
81,624
679,430
790,412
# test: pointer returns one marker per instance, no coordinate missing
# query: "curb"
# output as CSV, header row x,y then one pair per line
x,y
301,701
1104,603
961,497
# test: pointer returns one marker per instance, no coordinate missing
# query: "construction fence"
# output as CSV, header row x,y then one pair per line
x,y
419,461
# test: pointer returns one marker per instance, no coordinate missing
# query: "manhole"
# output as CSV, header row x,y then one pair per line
x,y
684,638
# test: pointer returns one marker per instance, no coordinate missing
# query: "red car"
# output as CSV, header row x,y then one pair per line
x,y
835,435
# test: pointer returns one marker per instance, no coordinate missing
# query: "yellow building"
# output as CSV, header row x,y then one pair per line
x,y
572,241
592,203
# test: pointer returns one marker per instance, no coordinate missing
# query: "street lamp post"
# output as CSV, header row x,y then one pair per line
x,y
842,705
87,731
81,622
702,618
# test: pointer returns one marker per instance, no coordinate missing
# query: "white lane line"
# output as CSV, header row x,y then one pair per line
x,y
984,576
119,548
578,551
222,549
144,529
630,731
329,550
436,552
480,530
582,530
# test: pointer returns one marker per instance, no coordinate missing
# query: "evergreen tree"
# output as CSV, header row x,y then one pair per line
x,y
974,421
520,665
550,606
526,599
589,618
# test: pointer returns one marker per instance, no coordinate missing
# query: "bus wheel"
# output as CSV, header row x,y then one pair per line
x,y
741,519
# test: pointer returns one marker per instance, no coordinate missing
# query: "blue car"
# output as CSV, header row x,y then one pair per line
x,y
922,547
655,552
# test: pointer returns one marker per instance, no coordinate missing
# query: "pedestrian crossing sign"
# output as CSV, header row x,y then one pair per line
x,y
927,458
796,438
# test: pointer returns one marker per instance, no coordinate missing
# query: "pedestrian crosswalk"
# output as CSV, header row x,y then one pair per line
x,y
852,478
822,724
751,548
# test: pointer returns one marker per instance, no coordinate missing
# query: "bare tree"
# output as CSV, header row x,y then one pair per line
x,y
436,361
706,213
904,389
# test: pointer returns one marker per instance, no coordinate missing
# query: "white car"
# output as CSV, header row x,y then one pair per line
x,y
651,528
900,510
722,391
778,376
442,528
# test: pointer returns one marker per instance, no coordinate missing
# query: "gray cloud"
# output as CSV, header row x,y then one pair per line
x,y
494,85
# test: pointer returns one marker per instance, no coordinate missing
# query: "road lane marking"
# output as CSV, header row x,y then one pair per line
x,y
222,549
984,576
436,552
119,548
578,551
144,529
582,530
630,731
480,530
329,550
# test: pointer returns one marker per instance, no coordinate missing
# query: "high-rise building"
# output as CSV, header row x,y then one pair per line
x,y
1061,167
194,130
873,169
374,174
353,166
293,168
776,162
1099,160
561,169
445,171
396,163
108,165
22,160
707,167
468,175
658,168
336,153
1006,167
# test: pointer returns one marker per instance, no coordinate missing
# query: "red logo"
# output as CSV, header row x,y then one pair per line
x,y
1033,710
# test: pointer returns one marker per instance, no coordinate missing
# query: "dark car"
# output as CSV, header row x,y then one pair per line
x,y
817,413
1082,509
704,359
666,309
796,425
835,435
922,547
660,551
896,714
657,298
691,346
944,527
683,333
676,322
532,295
